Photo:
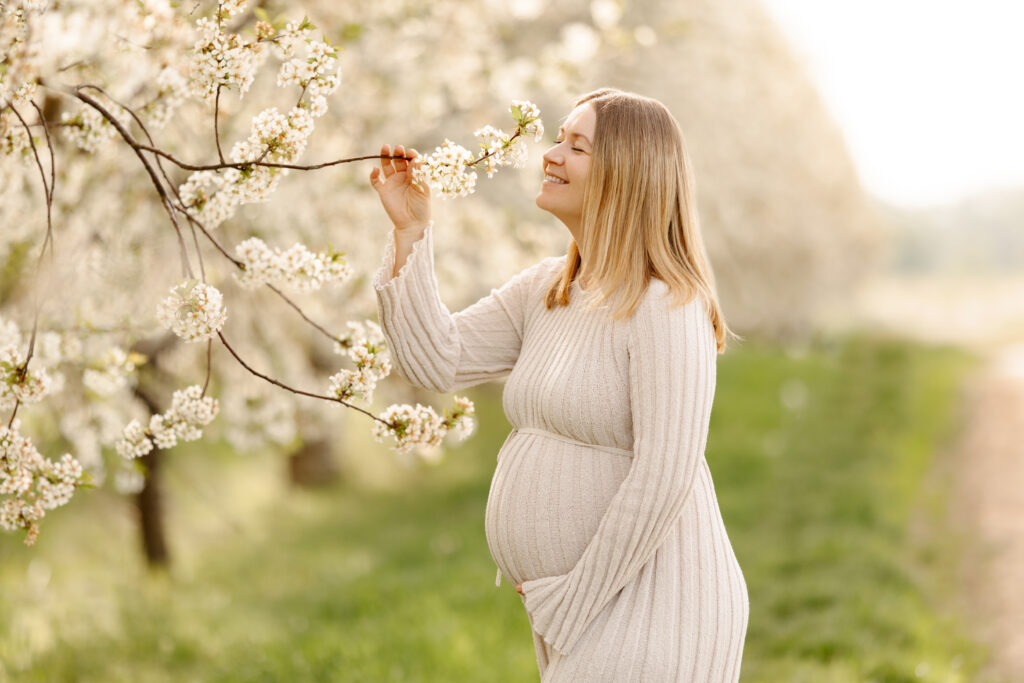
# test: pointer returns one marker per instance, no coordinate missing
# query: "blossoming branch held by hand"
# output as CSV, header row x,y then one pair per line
x,y
448,171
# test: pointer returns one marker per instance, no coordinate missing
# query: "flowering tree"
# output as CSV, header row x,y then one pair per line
x,y
91,246
76,336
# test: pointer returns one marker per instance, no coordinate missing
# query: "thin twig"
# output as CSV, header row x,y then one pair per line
x,y
298,310
300,392
47,241
209,364
245,164
216,121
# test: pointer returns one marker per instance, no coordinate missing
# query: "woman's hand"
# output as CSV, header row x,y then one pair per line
x,y
519,589
407,204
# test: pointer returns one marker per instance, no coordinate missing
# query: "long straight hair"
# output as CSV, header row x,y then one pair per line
x,y
639,217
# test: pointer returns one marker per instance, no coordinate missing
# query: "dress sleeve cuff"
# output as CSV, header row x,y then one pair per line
x,y
544,600
415,285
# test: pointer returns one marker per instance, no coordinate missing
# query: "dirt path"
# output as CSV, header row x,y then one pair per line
x,y
988,504
985,463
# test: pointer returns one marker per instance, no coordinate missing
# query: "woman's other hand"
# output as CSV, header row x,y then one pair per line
x,y
407,203
519,589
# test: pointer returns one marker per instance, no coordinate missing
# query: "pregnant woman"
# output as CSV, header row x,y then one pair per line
x,y
602,511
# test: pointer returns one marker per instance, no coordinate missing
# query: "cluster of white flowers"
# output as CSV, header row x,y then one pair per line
x,y
88,129
528,121
499,149
14,139
110,372
189,412
364,344
53,348
35,484
462,423
220,58
420,427
285,43
448,171
18,71
214,197
275,137
358,333
231,8
209,195
318,75
194,311
18,382
297,268
172,94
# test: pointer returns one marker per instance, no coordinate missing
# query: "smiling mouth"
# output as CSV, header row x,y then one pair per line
x,y
552,179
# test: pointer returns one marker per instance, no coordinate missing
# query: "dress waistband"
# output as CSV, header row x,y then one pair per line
x,y
576,442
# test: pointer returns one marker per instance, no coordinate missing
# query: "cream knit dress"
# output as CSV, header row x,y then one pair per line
x,y
602,503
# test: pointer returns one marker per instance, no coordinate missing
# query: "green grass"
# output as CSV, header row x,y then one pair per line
x,y
819,463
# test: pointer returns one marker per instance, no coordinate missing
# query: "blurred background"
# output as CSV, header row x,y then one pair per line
x,y
860,169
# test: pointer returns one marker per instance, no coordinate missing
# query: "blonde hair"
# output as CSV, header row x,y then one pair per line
x,y
639,213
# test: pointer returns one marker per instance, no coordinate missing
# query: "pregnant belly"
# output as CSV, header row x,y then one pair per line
x,y
547,497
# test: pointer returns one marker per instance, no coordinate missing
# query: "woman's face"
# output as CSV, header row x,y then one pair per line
x,y
566,166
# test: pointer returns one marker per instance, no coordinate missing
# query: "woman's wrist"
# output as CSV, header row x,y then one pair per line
x,y
412,232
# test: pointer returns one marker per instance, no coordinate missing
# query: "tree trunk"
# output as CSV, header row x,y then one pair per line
x,y
151,513
149,500
313,464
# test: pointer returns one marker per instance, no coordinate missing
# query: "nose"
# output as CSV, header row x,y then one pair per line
x,y
554,156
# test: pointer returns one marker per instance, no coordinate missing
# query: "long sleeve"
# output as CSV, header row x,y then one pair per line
x,y
672,374
437,350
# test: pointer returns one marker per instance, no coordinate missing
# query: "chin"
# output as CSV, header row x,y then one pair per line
x,y
539,200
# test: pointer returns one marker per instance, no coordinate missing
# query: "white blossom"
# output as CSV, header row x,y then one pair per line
x,y
499,149
275,137
172,94
462,418
231,8
220,58
35,483
110,372
527,116
371,360
353,384
88,128
190,406
190,411
212,197
295,32
133,442
414,426
297,268
446,172
360,333
420,427
18,382
194,311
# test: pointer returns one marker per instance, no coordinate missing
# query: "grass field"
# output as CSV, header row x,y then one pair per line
x,y
819,460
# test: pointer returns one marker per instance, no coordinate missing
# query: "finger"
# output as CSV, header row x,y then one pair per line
x,y
385,164
375,179
401,165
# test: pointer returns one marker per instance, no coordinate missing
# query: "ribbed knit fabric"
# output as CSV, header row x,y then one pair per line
x,y
602,503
